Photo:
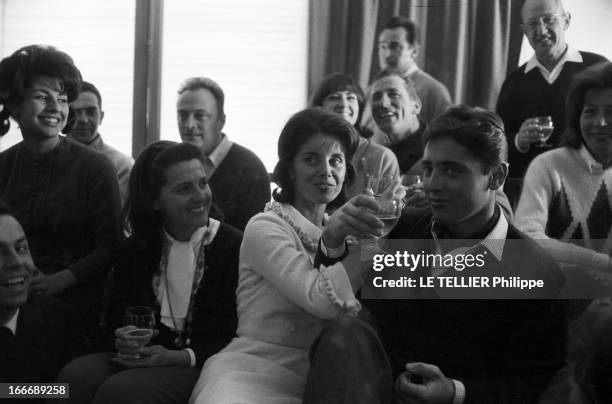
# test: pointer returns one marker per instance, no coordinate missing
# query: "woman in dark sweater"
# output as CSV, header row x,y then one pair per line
x,y
65,195
179,262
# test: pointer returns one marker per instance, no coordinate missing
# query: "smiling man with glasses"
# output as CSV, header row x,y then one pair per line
x,y
538,88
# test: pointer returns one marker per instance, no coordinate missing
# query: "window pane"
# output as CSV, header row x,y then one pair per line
x,y
255,50
98,35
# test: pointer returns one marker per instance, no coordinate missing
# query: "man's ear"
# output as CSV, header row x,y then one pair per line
x,y
566,21
221,122
416,49
498,175
417,105
101,116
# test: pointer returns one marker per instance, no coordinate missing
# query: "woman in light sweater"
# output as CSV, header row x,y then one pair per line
x,y
566,198
284,298
341,94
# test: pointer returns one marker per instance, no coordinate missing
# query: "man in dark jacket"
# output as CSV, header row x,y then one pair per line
x,y
450,351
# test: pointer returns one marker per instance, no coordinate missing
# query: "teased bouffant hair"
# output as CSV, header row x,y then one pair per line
x,y
341,82
596,77
300,128
18,72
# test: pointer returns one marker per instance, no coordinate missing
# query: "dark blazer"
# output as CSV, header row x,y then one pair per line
x,y
214,317
504,351
45,340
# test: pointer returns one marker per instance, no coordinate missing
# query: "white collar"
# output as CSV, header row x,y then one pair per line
x,y
570,55
12,323
494,241
413,69
592,165
218,154
205,234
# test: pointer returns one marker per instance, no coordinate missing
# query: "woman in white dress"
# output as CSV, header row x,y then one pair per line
x,y
284,300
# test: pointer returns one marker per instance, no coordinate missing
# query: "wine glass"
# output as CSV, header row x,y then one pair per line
x,y
389,205
143,318
411,184
545,129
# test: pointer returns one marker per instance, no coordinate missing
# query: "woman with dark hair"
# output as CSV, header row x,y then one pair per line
x,y
65,195
566,197
341,94
178,261
284,298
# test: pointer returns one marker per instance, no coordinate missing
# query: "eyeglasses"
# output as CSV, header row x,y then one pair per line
x,y
549,20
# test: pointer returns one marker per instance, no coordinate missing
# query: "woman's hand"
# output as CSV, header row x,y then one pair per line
x,y
155,355
356,217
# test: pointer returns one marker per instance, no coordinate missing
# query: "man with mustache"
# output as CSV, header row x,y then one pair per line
x,y
539,87
86,115
398,48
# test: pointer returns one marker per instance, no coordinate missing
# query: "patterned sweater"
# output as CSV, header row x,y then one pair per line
x,y
566,196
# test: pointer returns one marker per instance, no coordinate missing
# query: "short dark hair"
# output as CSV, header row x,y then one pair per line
x,y
477,129
86,86
139,217
412,31
194,83
301,127
5,209
340,82
596,77
18,72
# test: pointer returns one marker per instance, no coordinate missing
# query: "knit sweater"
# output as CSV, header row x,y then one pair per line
x,y
526,95
240,186
122,164
566,196
370,158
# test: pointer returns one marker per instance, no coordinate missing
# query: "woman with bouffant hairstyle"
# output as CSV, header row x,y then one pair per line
x,y
65,195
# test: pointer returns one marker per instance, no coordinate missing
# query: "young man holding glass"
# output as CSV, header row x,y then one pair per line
x,y
450,351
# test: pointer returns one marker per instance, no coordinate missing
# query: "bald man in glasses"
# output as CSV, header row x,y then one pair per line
x,y
538,88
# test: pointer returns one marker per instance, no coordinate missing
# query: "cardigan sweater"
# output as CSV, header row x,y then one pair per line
x,y
566,196
526,95
214,316
240,186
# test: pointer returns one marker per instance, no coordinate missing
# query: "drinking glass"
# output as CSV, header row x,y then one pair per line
x,y
411,183
545,129
143,319
389,205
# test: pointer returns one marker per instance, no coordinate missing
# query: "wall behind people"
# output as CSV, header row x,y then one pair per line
x,y
102,48
463,44
590,28
256,52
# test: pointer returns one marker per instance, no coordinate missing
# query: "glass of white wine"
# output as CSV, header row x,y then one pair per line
x,y
143,319
545,129
389,205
